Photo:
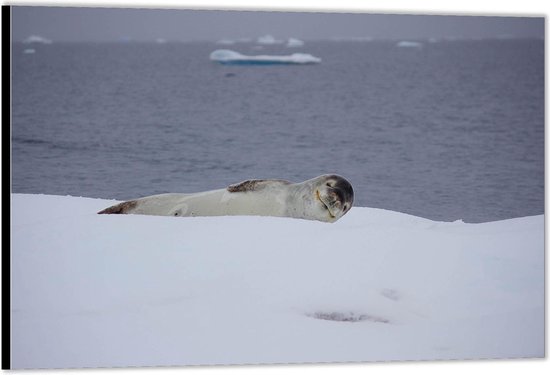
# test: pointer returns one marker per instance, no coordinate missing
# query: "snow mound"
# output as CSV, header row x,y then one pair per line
x,y
94,290
225,56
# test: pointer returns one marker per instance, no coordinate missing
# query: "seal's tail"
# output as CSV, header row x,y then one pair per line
x,y
121,208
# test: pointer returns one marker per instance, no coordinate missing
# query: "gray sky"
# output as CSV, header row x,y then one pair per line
x,y
103,24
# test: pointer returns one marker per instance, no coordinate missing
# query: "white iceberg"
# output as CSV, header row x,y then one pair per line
x,y
292,42
29,51
228,57
268,39
92,290
37,39
408,44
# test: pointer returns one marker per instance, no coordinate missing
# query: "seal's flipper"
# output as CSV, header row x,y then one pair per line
x,y
121,208
254,185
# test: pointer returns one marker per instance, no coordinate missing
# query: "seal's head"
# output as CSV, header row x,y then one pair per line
x,y
333,195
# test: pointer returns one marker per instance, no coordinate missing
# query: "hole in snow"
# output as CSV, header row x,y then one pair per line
x,y
347,317
392,294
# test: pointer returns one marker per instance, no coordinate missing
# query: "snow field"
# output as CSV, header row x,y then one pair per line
x,y
94,290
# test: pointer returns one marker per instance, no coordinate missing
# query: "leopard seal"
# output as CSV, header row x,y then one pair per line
x,y
325,198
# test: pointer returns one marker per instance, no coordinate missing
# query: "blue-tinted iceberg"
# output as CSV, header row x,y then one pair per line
x,y
225,56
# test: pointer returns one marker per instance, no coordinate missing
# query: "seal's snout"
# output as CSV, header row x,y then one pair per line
x,y
335,199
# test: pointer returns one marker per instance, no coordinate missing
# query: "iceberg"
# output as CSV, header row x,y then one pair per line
x,y
408,44
37,39
92,290
29,51
229,57
268,39
292,42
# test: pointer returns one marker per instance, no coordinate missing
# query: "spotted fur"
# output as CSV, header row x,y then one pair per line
x,y
252,185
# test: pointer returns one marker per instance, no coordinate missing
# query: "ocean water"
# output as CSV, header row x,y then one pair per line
x,y
453,130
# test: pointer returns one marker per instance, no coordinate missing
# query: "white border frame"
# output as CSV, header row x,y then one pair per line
x,y
464,7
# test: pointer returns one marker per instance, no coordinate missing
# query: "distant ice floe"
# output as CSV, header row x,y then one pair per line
x,y
229,57
29,51
230,42
37,39
160,41
408,44
268,39
293,42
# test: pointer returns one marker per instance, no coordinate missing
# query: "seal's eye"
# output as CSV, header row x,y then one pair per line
x,y
329,184
345,207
